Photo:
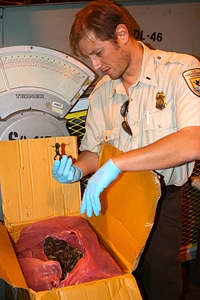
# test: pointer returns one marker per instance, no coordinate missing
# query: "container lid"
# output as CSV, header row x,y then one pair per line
x,y
128,211
29,191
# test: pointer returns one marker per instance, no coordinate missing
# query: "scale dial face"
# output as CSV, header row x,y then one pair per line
x,y
39,80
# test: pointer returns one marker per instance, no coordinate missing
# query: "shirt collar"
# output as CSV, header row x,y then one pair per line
x,y
146,75
147,72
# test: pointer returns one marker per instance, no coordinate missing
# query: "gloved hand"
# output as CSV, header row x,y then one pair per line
x,y
96,184
65,172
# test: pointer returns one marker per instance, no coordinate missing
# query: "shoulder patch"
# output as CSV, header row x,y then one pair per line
x,y
192,78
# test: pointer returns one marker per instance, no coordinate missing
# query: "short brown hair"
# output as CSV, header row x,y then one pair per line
x,y
100,18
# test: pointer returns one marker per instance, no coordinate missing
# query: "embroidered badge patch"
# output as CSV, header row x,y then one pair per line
x,y
192,78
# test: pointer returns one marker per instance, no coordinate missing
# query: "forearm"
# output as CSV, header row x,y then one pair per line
x,y
173,150
87,162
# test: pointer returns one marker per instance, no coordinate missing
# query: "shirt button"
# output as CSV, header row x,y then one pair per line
x,y
159,125
158,57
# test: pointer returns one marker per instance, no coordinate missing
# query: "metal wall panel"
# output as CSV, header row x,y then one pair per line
x,y
173,27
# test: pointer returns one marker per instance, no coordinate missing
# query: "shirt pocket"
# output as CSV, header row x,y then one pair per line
x,y
157,124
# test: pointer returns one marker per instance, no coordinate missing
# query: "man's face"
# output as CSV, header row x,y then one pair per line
x,y
111,59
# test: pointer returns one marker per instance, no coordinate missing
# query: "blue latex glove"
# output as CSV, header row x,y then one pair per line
x,y
65,172
96,184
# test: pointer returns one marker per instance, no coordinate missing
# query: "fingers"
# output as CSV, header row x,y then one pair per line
x,y
96,184
90,203
66,168
55,167
65,164
83,206
63,170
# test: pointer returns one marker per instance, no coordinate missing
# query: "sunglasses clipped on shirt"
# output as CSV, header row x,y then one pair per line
x,y
124,112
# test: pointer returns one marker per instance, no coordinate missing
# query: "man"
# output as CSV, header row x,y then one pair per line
x,y
148,106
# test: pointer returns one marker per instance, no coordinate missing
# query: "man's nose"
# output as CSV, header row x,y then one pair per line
x,y
96,63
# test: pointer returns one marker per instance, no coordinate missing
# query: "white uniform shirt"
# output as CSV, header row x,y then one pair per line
x,y
161,72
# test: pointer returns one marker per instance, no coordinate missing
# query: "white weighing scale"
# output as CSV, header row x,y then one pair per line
x,y
38,87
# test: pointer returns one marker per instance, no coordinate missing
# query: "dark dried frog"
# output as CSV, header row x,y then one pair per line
x,y
63,252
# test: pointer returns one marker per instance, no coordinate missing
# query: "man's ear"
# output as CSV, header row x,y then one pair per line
x,y
122,33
